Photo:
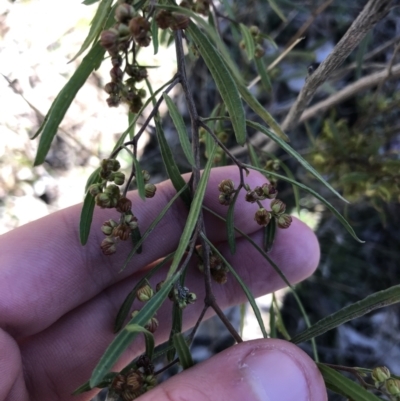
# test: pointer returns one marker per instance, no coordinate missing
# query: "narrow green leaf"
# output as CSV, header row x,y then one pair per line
x,y
136,237
108,379
96,26
127,304
125,338
248,41
89,2
224,81
60,105
296,192
149,338
312,192
183,351
170,165
269,235
193,216
374,301
154,35
255,105
93,179
272,321
181,129
230,224
262,72
244,287
280,324
253,155
152,226
176,327
139,178
344,386
86,218
277,10
131,123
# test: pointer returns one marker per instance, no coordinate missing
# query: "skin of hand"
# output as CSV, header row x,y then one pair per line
x,y
58,302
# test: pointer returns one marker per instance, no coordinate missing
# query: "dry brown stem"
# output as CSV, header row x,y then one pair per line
x,y
373,12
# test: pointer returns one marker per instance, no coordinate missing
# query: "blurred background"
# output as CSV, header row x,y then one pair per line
x,y
354,141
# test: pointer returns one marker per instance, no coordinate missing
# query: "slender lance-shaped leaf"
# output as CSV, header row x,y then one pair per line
x,y
374,301
89,2
149,338
57,111
244,287
176,327
127,304
136,236
294,154
230,224
193,216
344,386
312,192
108,379
256,106
262,72
153,225
87,209
154,35
139,179
248,41
170,165
183,351
181,128
125,338
278,11
272,321
269,235
224,81
96,26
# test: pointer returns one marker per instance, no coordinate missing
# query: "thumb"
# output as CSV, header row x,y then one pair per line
x,y
260,370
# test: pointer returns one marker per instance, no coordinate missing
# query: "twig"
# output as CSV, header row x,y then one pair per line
x,y
310,20
362,84
373,12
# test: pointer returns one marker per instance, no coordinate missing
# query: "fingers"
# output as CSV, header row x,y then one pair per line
x,y
45,272
261,370
80,338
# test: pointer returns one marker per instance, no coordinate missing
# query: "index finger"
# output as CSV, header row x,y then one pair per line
x,y
45,272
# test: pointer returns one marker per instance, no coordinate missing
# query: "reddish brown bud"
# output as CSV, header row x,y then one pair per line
x,y
151,325
108,246
138,25
220,276
278,207
163,19
109,38
251,197
108,227
284,221
262,217
269,191
118,383
179,21
122,232
224,199
111,87
226,186
124,12
116,74
134,380
113,101
124,205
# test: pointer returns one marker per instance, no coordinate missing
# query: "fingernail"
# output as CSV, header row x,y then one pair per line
x,y
274,375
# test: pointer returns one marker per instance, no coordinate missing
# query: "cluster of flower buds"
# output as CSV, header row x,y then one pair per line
x,y
384,382
167,19
198,6
258,41
226,189
218,269
278,208
131,29
182,296
133,384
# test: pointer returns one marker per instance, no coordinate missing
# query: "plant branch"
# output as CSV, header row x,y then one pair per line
x,y
362,84
373,12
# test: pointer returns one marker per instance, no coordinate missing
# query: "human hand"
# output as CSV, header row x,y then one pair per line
x,y
58,302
